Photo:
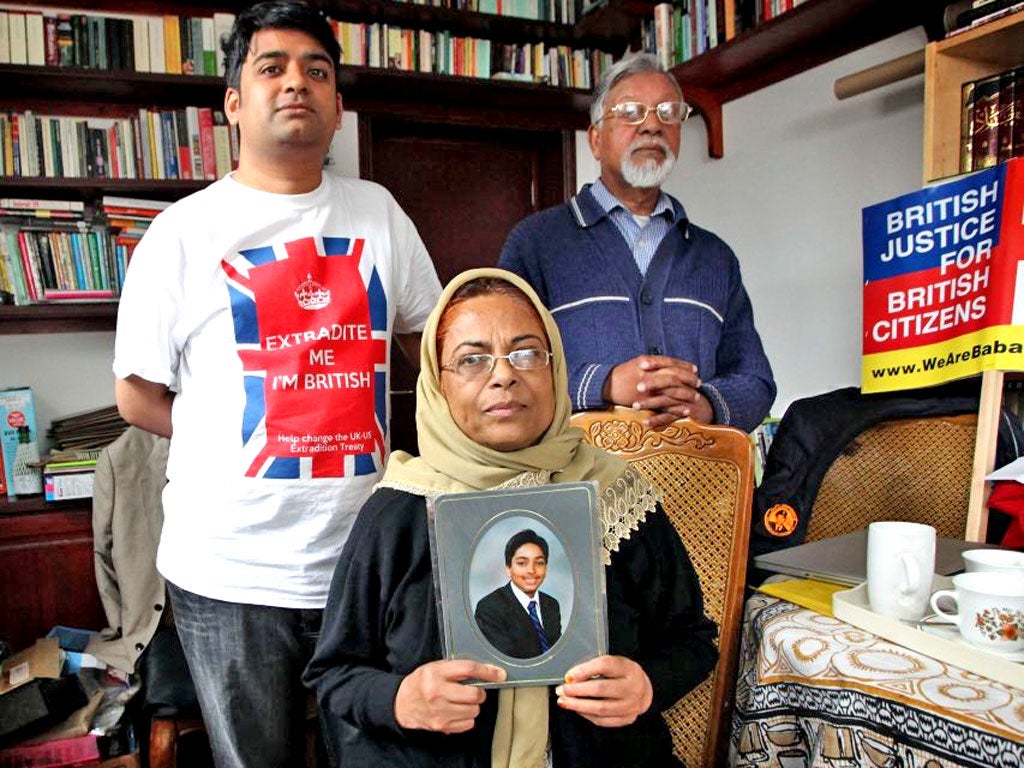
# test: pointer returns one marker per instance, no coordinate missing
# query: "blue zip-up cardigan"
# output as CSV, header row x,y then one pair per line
x,y
690,305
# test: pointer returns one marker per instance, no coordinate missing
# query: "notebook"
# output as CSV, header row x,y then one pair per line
x,y
843,559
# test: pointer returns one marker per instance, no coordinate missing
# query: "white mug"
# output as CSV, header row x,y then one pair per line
x,y
900,565
989,610
1004,561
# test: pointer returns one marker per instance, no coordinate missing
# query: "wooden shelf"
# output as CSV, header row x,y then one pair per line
x,y
34,505
811,34
58,318
949,63
92,190
371,89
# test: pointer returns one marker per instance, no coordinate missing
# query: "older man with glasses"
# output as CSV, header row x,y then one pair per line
x,y
652,308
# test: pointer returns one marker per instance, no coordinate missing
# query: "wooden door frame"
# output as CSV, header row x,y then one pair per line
x,y
365,122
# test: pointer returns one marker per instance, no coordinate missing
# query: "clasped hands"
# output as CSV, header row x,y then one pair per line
x,y
608,691
666,385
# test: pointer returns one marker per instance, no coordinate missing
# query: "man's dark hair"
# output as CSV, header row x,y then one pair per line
x,y
526,536
276,14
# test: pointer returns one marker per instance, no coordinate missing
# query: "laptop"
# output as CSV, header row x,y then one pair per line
x,y
843,559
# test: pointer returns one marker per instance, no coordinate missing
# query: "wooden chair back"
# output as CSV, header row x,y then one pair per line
x,y
705,474
916,470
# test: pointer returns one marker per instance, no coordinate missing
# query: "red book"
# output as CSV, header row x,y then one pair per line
x,y
59,753
50,40
33,278
74,294
206,142
114,170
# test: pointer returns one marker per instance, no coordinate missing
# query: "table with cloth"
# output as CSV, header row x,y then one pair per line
x,y
815,691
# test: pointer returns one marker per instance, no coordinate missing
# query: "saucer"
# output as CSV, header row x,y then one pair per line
x,y
950,632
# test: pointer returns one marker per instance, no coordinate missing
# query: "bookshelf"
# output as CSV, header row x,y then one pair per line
x,y
949,63
810,34
798,40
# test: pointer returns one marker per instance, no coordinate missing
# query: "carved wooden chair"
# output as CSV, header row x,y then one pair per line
x,y
705,474
916,470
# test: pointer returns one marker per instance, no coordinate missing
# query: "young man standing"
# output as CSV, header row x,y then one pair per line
x,y
254,330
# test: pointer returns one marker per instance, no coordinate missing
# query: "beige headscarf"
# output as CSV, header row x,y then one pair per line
x,y
450,462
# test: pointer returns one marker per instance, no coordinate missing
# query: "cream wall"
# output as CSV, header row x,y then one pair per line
x,y
798,168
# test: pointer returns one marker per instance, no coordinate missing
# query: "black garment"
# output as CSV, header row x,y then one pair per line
x,y
507,625
381,623
814,430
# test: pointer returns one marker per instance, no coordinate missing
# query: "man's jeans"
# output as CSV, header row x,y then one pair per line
x,y
246,662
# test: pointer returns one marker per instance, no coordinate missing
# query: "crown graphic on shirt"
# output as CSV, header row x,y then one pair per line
x,y
311,295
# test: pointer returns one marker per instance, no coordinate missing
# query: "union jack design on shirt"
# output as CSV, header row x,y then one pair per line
x,y
311,328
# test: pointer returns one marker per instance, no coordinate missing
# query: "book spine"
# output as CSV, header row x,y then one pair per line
x,y
1018,112
663,34
985,123
52,58
35,40
157,54
172,44
966,127
5,39
184,146
1004,131
207,143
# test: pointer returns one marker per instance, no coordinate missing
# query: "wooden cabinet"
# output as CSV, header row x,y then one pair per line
x,y
46,569
987,50
949,63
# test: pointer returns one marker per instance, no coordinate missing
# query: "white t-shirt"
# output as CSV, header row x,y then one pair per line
x,y
271,316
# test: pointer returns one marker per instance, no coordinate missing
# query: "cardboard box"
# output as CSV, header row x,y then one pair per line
x,y
42,660
19,442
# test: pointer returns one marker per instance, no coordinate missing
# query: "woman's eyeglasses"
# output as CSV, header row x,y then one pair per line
x,y
635,112
476,365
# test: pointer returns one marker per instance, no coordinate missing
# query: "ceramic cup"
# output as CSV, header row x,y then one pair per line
x,y
1004,561
989,610
900,565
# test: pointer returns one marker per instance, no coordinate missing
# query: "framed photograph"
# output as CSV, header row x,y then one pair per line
x,y
518,579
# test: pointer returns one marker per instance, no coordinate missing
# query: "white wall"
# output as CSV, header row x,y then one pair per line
x,y
798,168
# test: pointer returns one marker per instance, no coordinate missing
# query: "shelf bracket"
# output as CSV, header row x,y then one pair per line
x,y
710,109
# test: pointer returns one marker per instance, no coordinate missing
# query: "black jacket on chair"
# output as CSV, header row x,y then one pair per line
x,y
814,430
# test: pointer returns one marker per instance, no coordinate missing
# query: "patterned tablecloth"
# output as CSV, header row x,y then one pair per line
x,y
814,691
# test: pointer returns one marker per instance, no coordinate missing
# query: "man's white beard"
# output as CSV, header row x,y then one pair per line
x,y
649,173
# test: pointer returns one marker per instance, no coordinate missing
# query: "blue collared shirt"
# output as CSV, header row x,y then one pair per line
x,y
643,241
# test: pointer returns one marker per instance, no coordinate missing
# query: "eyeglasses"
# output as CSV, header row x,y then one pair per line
x,y
479,364
635,112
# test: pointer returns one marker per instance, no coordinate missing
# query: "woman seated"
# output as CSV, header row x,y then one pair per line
x,y
493,412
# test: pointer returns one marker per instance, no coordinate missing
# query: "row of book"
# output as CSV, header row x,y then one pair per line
x,y
54,261
420,50
185,143
558,11
992,120
189,45
50,251
680,30
163,44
